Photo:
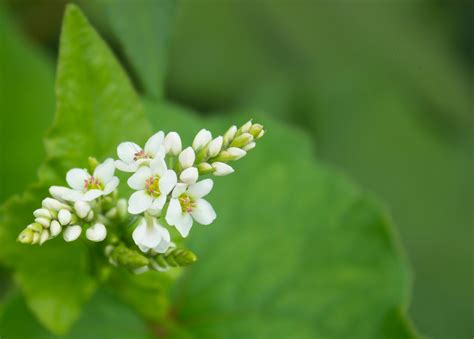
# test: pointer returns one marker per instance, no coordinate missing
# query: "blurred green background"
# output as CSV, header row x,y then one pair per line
x,y
384,89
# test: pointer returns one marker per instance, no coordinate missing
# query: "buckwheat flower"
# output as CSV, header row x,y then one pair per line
x,y
133,156
221,169
152,185
71,233
149,234
189,175
186,157
96,233
86,187
187,204
172,143
215,147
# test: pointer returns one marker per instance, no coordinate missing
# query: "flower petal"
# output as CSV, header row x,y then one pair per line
x,y
139,202
167,182
174,210
105,171
203,213
158,203
92,194
165,240
158,166
126,151
76,178
153,144
179,189
73,195
187,157
201,189
111,185
183,224
122,166
59,192
137,180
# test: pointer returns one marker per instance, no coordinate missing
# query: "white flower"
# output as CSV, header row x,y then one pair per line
x,y
86,187
186,157
55,228
221,169
71,233
82,209
215,147
172,143
187,204
64,217
152,185
149,234
236,153
249,146
133,156
96,233
201,139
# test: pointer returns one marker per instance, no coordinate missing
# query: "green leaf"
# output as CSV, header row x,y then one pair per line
x,y
143,28
103,317
96,109
296,251
27,106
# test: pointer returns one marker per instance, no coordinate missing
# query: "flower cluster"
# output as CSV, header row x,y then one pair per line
x,y
168,193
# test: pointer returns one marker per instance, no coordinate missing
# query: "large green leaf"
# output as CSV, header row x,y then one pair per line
x,y
103,317
296,251
26,110
96,109
142,28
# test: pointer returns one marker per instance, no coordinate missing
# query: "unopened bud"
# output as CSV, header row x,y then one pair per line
x,y
43,237
202,138
221,169
255,130
131,259
229,135
35,227
173,143
26,236
64,217
249,146
43,221
232,153
186,157
189,175
214,147
42,213
82,208
205,168
93,163
36,238
96,233
53,204
55,228
71,233
242,140
58,192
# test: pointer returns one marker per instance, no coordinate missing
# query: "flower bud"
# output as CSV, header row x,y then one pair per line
x,y
242,140
53,204
222,169
64,217
229,135
42,213
35,227
26,236
189,175
43,237
262,132
55,228
172,143
58,192
186,157
232,153
249,146
36,238
205,168
43,221
96,233
215,147
246,127
255,130
82,208
201,139
71,233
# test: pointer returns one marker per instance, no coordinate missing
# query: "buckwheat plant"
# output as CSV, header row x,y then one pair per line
x,y
169,191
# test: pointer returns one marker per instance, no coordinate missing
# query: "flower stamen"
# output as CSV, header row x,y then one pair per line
x,y
140,155
152,186
187,203
93,183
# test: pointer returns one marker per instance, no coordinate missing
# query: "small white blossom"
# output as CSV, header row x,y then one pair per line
x,y
172,143
186,157
189,175
215,147
43,237
82,209
42,213
152,185
96,233
86,187
149,234
43,221
202,138
230,134
236,153
53,204
64,217
133,156
55,228
71,233
187,204
246,127
249,146
221,169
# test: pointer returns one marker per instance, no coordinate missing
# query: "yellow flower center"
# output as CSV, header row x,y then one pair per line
x,y
93,184
152,186
140,155
187,203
